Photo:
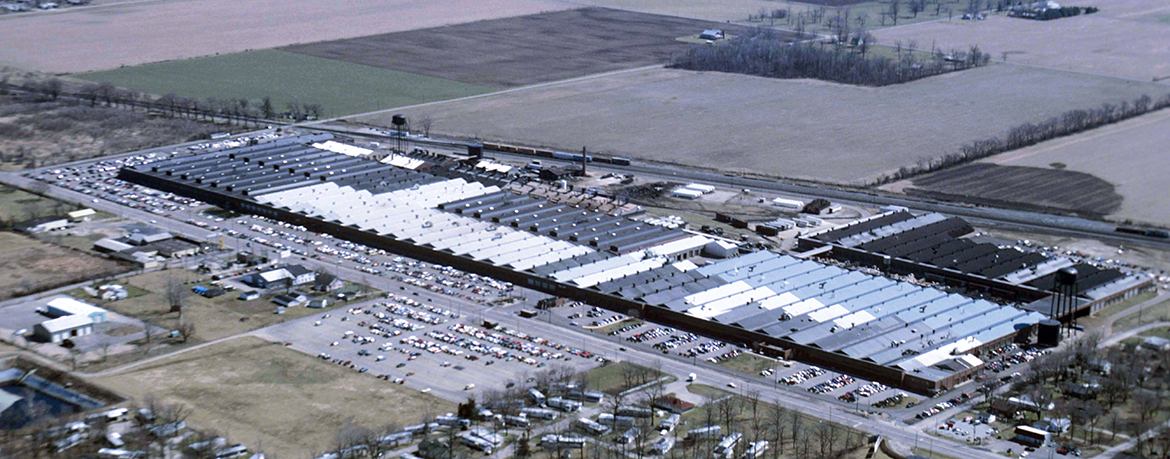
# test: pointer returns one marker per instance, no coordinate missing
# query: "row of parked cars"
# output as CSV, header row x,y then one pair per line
x,y
833,384
802,376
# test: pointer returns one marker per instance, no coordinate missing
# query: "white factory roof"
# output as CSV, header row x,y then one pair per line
x,y
65,323
345,149
681,245
74,307
402,161
411,214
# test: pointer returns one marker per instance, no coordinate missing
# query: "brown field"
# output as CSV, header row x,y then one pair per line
x,y
38,134
136,33
522,50
31,266
1131,155
265,396
1063,190
1127,39
792,128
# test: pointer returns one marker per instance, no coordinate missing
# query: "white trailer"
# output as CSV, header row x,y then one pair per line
x,y
788,203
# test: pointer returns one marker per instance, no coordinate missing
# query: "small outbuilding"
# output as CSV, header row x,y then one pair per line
x,y
290,300
41,224
712,34
82,215
63,328
326,282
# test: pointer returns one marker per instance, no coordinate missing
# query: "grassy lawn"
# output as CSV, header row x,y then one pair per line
x,y
925,452
214,318
265,396
19,205
749,363
710,392
1119,306
83,243
617,377
1162,332
1159,312
341,88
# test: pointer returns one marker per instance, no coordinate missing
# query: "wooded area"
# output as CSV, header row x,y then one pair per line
x,y
762,52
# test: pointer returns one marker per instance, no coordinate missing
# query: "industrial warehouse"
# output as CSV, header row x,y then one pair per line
x,y
931,246
916,337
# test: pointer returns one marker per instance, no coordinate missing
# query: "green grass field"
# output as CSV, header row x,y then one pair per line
x,y
749,363
341,88
617,377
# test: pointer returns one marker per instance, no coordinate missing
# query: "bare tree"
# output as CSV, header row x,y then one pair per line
x,y
176,294
425,122
186,330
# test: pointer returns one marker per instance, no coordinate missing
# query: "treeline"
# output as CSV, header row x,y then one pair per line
x,y
762,52
241,111
1027,134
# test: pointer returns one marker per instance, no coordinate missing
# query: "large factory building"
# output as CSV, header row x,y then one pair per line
x,y
916,337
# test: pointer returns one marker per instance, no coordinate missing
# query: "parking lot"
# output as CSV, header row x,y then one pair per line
x,y
426,347
695,347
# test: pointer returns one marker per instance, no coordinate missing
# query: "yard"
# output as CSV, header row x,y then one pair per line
x,y
1159,312
617,377
267,397
213,318
18,205
778,128
341,88
35,266
750,363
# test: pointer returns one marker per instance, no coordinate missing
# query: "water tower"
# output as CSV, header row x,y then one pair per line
x,y
1064,302
399,121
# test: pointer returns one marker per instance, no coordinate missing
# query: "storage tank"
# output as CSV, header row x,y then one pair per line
x,y
1049,333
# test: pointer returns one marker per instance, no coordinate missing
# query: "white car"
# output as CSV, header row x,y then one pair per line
x,y
380,358
334,343
731,385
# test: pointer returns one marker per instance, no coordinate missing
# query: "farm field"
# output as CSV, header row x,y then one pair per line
x,y
1135,164
135,33
33,266
792,128
1078,192
264,395
521,50
341,88
1126,39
